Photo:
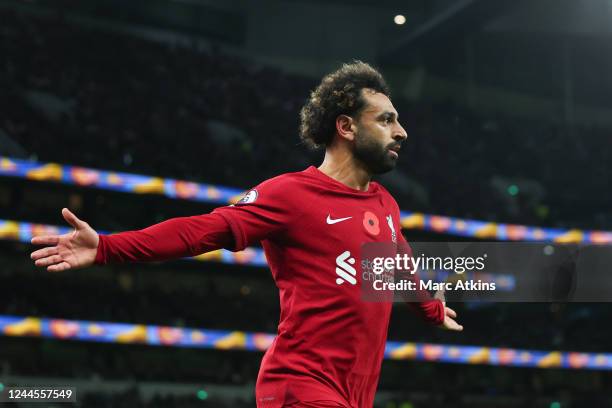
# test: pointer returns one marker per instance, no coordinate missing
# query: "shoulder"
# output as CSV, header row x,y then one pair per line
x,y
284,183
283,186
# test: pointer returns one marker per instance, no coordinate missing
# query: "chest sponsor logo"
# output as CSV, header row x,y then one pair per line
x,y
344,269
331,220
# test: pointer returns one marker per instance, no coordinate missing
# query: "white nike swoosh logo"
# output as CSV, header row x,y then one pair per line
x,y
337,220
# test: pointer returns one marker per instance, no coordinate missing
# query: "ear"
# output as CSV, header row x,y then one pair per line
x,y
345,127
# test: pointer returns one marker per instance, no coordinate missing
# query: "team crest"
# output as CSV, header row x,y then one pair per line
x,y
392,228
248,198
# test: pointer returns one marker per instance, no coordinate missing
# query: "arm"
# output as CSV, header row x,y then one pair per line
x,y
432,310
265,216
171,239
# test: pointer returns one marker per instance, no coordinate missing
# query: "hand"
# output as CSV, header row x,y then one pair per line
x,y
449,319
76,249
449,314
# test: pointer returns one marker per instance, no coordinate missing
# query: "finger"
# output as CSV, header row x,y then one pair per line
x,y
71,218
41,253
450,312
453,325
50,260
62,266
46,240
458,327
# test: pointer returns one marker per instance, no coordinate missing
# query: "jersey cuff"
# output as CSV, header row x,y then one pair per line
x,y
101,253
438,316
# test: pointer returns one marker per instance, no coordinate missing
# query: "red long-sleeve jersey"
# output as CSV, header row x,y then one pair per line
x,y
330,343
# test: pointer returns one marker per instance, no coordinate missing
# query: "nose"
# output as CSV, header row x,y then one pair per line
x,y
399,133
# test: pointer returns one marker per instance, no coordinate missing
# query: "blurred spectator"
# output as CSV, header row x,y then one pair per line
x,y
87,97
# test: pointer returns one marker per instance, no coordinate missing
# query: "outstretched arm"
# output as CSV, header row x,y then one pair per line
x,y
171,239
234,227
433,310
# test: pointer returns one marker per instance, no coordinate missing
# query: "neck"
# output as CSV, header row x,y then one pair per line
x,y
342,166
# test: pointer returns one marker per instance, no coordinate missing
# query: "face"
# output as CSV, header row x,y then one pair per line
x,y
378,134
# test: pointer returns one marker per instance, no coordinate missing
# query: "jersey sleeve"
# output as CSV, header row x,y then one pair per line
x,y
171,239
265,212
422,303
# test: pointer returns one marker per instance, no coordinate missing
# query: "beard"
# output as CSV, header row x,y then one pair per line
x,y
372,154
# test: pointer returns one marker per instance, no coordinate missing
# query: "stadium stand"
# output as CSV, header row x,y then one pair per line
x,y
81,96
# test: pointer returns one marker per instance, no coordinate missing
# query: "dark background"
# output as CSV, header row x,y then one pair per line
x,y
496,96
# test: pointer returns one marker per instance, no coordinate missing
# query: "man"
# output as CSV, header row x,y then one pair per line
x,y
330,343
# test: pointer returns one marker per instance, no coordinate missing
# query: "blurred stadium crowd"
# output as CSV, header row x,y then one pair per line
x,y
81,96
227,298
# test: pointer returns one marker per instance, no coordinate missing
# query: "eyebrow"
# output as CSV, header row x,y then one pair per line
x,y
388,114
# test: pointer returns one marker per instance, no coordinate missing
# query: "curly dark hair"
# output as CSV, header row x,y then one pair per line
x,y
339,93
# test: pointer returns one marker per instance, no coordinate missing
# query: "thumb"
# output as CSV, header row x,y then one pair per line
x,y
71,218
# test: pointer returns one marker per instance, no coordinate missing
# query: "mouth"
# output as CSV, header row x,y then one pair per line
x,y
395,151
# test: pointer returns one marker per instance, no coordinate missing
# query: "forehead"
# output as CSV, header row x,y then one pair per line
x,y
377,102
